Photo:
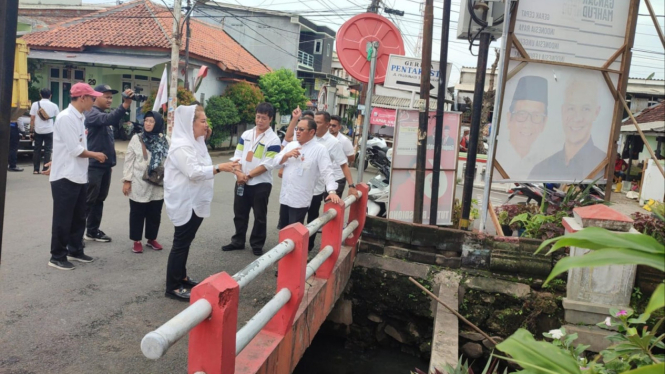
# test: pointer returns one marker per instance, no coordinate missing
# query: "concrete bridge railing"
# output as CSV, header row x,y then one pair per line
x,y
212,316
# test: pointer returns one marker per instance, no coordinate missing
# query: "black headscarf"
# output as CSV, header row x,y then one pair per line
x,y
155,141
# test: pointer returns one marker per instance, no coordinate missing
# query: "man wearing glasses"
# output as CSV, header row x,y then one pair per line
x,y
527,117
579,156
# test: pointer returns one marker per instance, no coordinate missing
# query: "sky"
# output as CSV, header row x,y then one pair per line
x,y
648,56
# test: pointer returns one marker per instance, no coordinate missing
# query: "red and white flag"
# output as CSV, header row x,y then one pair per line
x,y
162,96
203,72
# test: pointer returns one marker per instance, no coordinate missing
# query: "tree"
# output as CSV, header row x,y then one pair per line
x,y
185,97
283,90
222,116
245,97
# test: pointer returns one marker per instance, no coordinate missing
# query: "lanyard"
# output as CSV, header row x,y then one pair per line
x,y
254,146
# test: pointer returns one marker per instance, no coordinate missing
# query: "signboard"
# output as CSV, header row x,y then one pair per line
x,y
318,83
322,101
383,117
402,181
404,73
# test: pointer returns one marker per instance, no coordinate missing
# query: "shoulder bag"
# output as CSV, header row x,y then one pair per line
x,y
157,175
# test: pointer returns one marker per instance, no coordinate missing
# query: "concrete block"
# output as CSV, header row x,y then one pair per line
x,y
366,245
517,256
600,215
411,269
475,258
593,336
399,232
449,262
342,313
490,285
375,227
445,338
424,235
582,312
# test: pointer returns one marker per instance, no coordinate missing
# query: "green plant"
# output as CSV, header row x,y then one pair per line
x,y
650,225
540,226
245,96
185,97
283,90
222,116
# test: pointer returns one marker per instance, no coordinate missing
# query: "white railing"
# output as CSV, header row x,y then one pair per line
x,y
305,59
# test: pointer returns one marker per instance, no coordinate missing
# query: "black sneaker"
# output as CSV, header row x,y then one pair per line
x,y
62,265
99,236
80,258
232,247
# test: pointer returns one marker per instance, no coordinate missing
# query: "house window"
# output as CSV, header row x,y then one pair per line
x,y
61,80
318,46
55,73
78,75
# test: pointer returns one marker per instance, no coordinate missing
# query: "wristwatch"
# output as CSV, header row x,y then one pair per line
x,y
217,168
352,185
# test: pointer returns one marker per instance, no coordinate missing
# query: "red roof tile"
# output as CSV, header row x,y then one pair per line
x,y
141,24
652,114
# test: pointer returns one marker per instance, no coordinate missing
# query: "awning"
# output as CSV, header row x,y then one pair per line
x,y
100,58
651,128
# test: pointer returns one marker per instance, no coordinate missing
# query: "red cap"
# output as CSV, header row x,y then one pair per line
x,y
83,89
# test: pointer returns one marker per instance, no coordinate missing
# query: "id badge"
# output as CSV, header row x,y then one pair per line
x,y
300,171
250,156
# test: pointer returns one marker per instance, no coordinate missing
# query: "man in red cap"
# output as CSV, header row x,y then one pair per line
x,y
68,177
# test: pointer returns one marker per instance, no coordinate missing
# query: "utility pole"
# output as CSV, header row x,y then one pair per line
x,y
426,67
188,35
479,89
175,61
8,12
440,103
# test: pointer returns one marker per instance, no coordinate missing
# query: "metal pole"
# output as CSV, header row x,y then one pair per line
x,y
426,67
479,90
189,34
495,119
175,61
440,103
8,12
374,46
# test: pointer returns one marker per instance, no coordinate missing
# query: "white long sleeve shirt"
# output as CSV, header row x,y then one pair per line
x,y
347,146
302,173
188,185
69,141
337,159
133,170
263,147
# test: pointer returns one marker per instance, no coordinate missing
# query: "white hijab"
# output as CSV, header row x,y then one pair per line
x,y
183,134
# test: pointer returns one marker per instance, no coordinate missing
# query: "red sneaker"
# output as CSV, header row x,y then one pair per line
x,y
138,247
154,245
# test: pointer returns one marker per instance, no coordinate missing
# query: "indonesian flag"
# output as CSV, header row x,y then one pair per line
x,y
162,96
203,72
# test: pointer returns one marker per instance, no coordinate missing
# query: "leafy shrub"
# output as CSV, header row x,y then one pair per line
x,y
222,116
650,225
283,90
245,97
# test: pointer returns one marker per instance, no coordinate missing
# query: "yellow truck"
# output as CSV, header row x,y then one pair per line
x,y
20,100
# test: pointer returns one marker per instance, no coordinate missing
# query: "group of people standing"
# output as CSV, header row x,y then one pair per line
x,y
178,172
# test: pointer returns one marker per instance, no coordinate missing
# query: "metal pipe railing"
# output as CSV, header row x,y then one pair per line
x,y
258,266
349,229
351,199
318,260
156,343
261,319
326,217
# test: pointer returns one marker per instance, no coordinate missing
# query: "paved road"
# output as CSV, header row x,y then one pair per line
x,y
92,319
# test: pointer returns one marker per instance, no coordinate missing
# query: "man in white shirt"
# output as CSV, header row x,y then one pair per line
x,y
347,146
42,129
339,165
255,151
304,161
69,177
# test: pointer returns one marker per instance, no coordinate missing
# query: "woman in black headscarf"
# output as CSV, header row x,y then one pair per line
x,y
142,181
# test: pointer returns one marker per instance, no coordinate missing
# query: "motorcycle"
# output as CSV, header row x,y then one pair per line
x,y
375,146
528,190
379,194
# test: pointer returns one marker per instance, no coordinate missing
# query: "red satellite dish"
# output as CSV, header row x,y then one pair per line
x,y
352,40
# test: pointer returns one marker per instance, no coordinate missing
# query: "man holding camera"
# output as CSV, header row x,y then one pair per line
x,y
99,125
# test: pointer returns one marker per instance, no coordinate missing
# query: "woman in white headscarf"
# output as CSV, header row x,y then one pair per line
x,y
188,189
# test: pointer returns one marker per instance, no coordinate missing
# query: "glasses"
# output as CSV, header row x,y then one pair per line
x,y
300,129
522,116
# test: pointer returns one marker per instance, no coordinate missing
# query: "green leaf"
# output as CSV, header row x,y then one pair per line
x,y
608,256
651,369
537,357
657,300
596,238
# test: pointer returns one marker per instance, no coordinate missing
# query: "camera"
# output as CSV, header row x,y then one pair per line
x,y
137,95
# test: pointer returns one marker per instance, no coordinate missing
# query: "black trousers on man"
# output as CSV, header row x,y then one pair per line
x,y
148,214
45,141
68,219
288,215
14,140
99,182
254,198
315,207
176,268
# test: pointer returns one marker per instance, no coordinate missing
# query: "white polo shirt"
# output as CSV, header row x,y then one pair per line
x,y
347,146
69,141
301,174
264,148
41,126
337,159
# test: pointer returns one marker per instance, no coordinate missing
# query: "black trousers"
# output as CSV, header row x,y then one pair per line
x,y
14,140
288,215
313,213
176,269
68,218
148,214
254,198
99,181
45,141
